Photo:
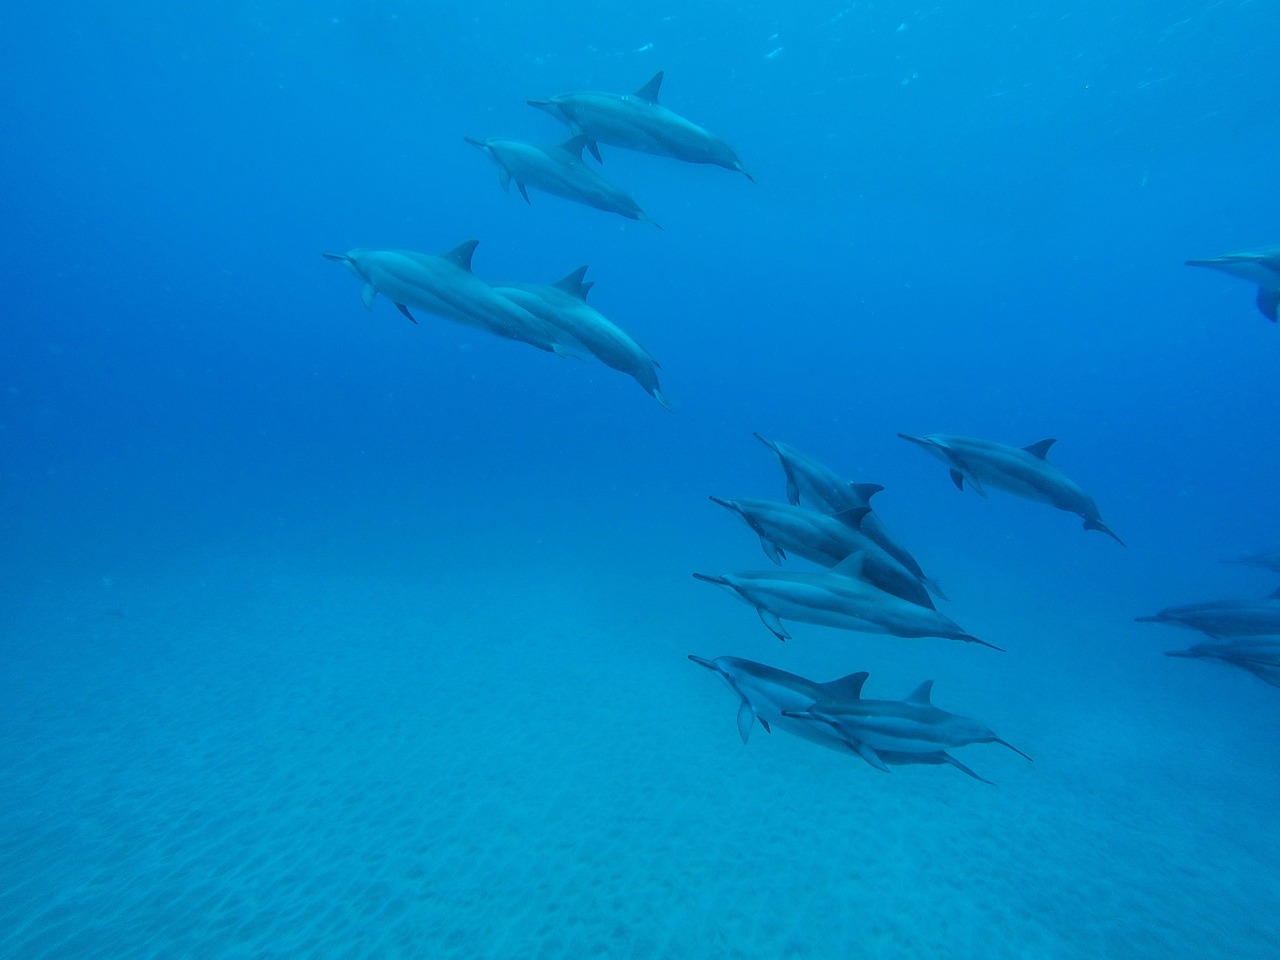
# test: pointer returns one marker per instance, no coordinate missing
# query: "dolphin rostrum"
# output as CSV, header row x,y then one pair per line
x,y
557,170
1225,618
1261,267
564,306
445,286
824,489
1022,471
766,694
913,725
838,597
638,122
1261,657
824,540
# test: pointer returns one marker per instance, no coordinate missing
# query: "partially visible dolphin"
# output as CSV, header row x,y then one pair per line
x,y
913,725
838,597
558,170
1267,559
1022,471
822,539
766,695
564,306
1225,618
1260,657
824,489
445,286
638,122
1260,267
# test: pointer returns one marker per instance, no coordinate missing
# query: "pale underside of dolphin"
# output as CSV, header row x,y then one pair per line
x,y
914,725
445,286
1260,267
826,540
637,121
564,306
823,489
765,694
1022,471
1225,618
838,598
559,171
1261,657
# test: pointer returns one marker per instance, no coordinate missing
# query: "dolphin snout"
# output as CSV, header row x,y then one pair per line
x,y
727,504
921,441
702,663
474,142
707,578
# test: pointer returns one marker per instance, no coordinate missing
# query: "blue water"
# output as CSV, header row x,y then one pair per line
x,y
323,634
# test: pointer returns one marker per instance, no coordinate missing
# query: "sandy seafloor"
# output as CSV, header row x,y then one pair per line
x,y
402,735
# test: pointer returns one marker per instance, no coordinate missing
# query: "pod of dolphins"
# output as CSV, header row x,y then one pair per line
x,y
866,580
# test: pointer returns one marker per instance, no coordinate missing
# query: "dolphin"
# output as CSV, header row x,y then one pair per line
x,y
1021,471
1225,618
838,597
558,170
765,694
825,540
638,122
826,490
1261,267
913,725
1267,559
445,286
564,306
1260,657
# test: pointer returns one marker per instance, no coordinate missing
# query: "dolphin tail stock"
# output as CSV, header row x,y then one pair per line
x,y
1102,527
1006,743
970,638
965,770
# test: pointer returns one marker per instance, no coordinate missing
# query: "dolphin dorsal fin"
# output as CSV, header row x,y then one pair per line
x,y
852,517
920,695
572,283
865,491
573,146
1041,448
460,256
650,90
851,566
846,688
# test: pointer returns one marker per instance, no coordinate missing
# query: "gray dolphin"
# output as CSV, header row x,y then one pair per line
x,y
1022,471
822,539
913,725
824,489
1261,657
1267,559
1261,267
638,122
838,597
445,286
766,694
557,170
564,306
1225,618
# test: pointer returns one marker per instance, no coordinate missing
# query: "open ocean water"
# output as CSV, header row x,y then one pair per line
x,y
328,635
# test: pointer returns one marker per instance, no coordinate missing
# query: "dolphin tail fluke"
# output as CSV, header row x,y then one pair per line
x,y
743,170
662,399
969,638
963,769
1269,303
1100,526
1006,743
405,310
932,586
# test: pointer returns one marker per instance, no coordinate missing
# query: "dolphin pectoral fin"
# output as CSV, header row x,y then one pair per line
x,y
963,769
793,490
405,310
523,192
772,550
504,179
958,479
594,148
1099,525
1269,303
746,717
367,294
868,754
770,620
932,586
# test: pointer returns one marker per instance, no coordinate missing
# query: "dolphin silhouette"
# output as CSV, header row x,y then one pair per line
x,y
1261,267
